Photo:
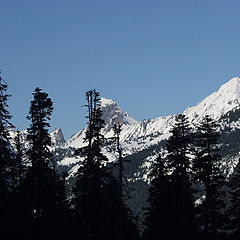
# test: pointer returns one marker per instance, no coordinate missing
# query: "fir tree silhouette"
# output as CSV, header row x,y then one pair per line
x,y
179,162
43,190
234,209
90,199
17,172
160,212
170,212
126,227
207,171
6,157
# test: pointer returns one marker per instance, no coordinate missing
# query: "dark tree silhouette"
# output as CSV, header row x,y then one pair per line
x,y
6,156
18,163
90,200
170,213
178,160
160,212
16,201
5,148
98,197
206,168
234,211
125,225
44,191
117,132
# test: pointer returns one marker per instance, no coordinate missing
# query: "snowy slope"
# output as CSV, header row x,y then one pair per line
x,y
218,103
139,136
136,136
142,140
111,114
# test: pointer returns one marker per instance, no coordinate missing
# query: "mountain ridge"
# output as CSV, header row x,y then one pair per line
x,y
225,99
142,141
216,105
137,136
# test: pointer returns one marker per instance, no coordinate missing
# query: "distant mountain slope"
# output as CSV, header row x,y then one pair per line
x,y
218,103
137,136
141,141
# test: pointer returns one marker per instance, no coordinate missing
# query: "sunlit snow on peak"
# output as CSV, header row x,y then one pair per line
x,y
231,89
105,101
218,103
136,136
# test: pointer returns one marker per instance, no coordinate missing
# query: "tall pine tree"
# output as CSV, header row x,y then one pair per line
x,y
234,211
18,164
170,213
179,162
206,169
98,198
6,156
160,212
43,189
90,192
17,172
125,225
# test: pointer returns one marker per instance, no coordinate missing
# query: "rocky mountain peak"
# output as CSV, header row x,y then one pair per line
x,y
113,114
57,137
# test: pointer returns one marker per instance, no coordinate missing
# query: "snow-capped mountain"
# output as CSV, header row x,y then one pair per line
x,y
140,136
136,136
141,141
147,136
218,103
111,114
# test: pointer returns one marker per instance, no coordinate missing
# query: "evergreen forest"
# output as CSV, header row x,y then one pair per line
x,y
189,196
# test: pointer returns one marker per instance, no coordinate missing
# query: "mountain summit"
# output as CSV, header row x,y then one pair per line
x,y
141,142
218,103
136,135
113,114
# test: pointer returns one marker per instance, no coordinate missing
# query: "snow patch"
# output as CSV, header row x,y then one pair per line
x,y
105,102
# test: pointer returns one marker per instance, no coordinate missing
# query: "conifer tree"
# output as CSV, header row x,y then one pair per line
x,y
179,145
117,132
97,198
6,155
18,163
179,162
5,149
92,177
160,213
42,187
126,227
234,211
170,214
206,168
16,201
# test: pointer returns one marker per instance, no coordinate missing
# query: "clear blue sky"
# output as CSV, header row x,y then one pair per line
x,y
154,57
